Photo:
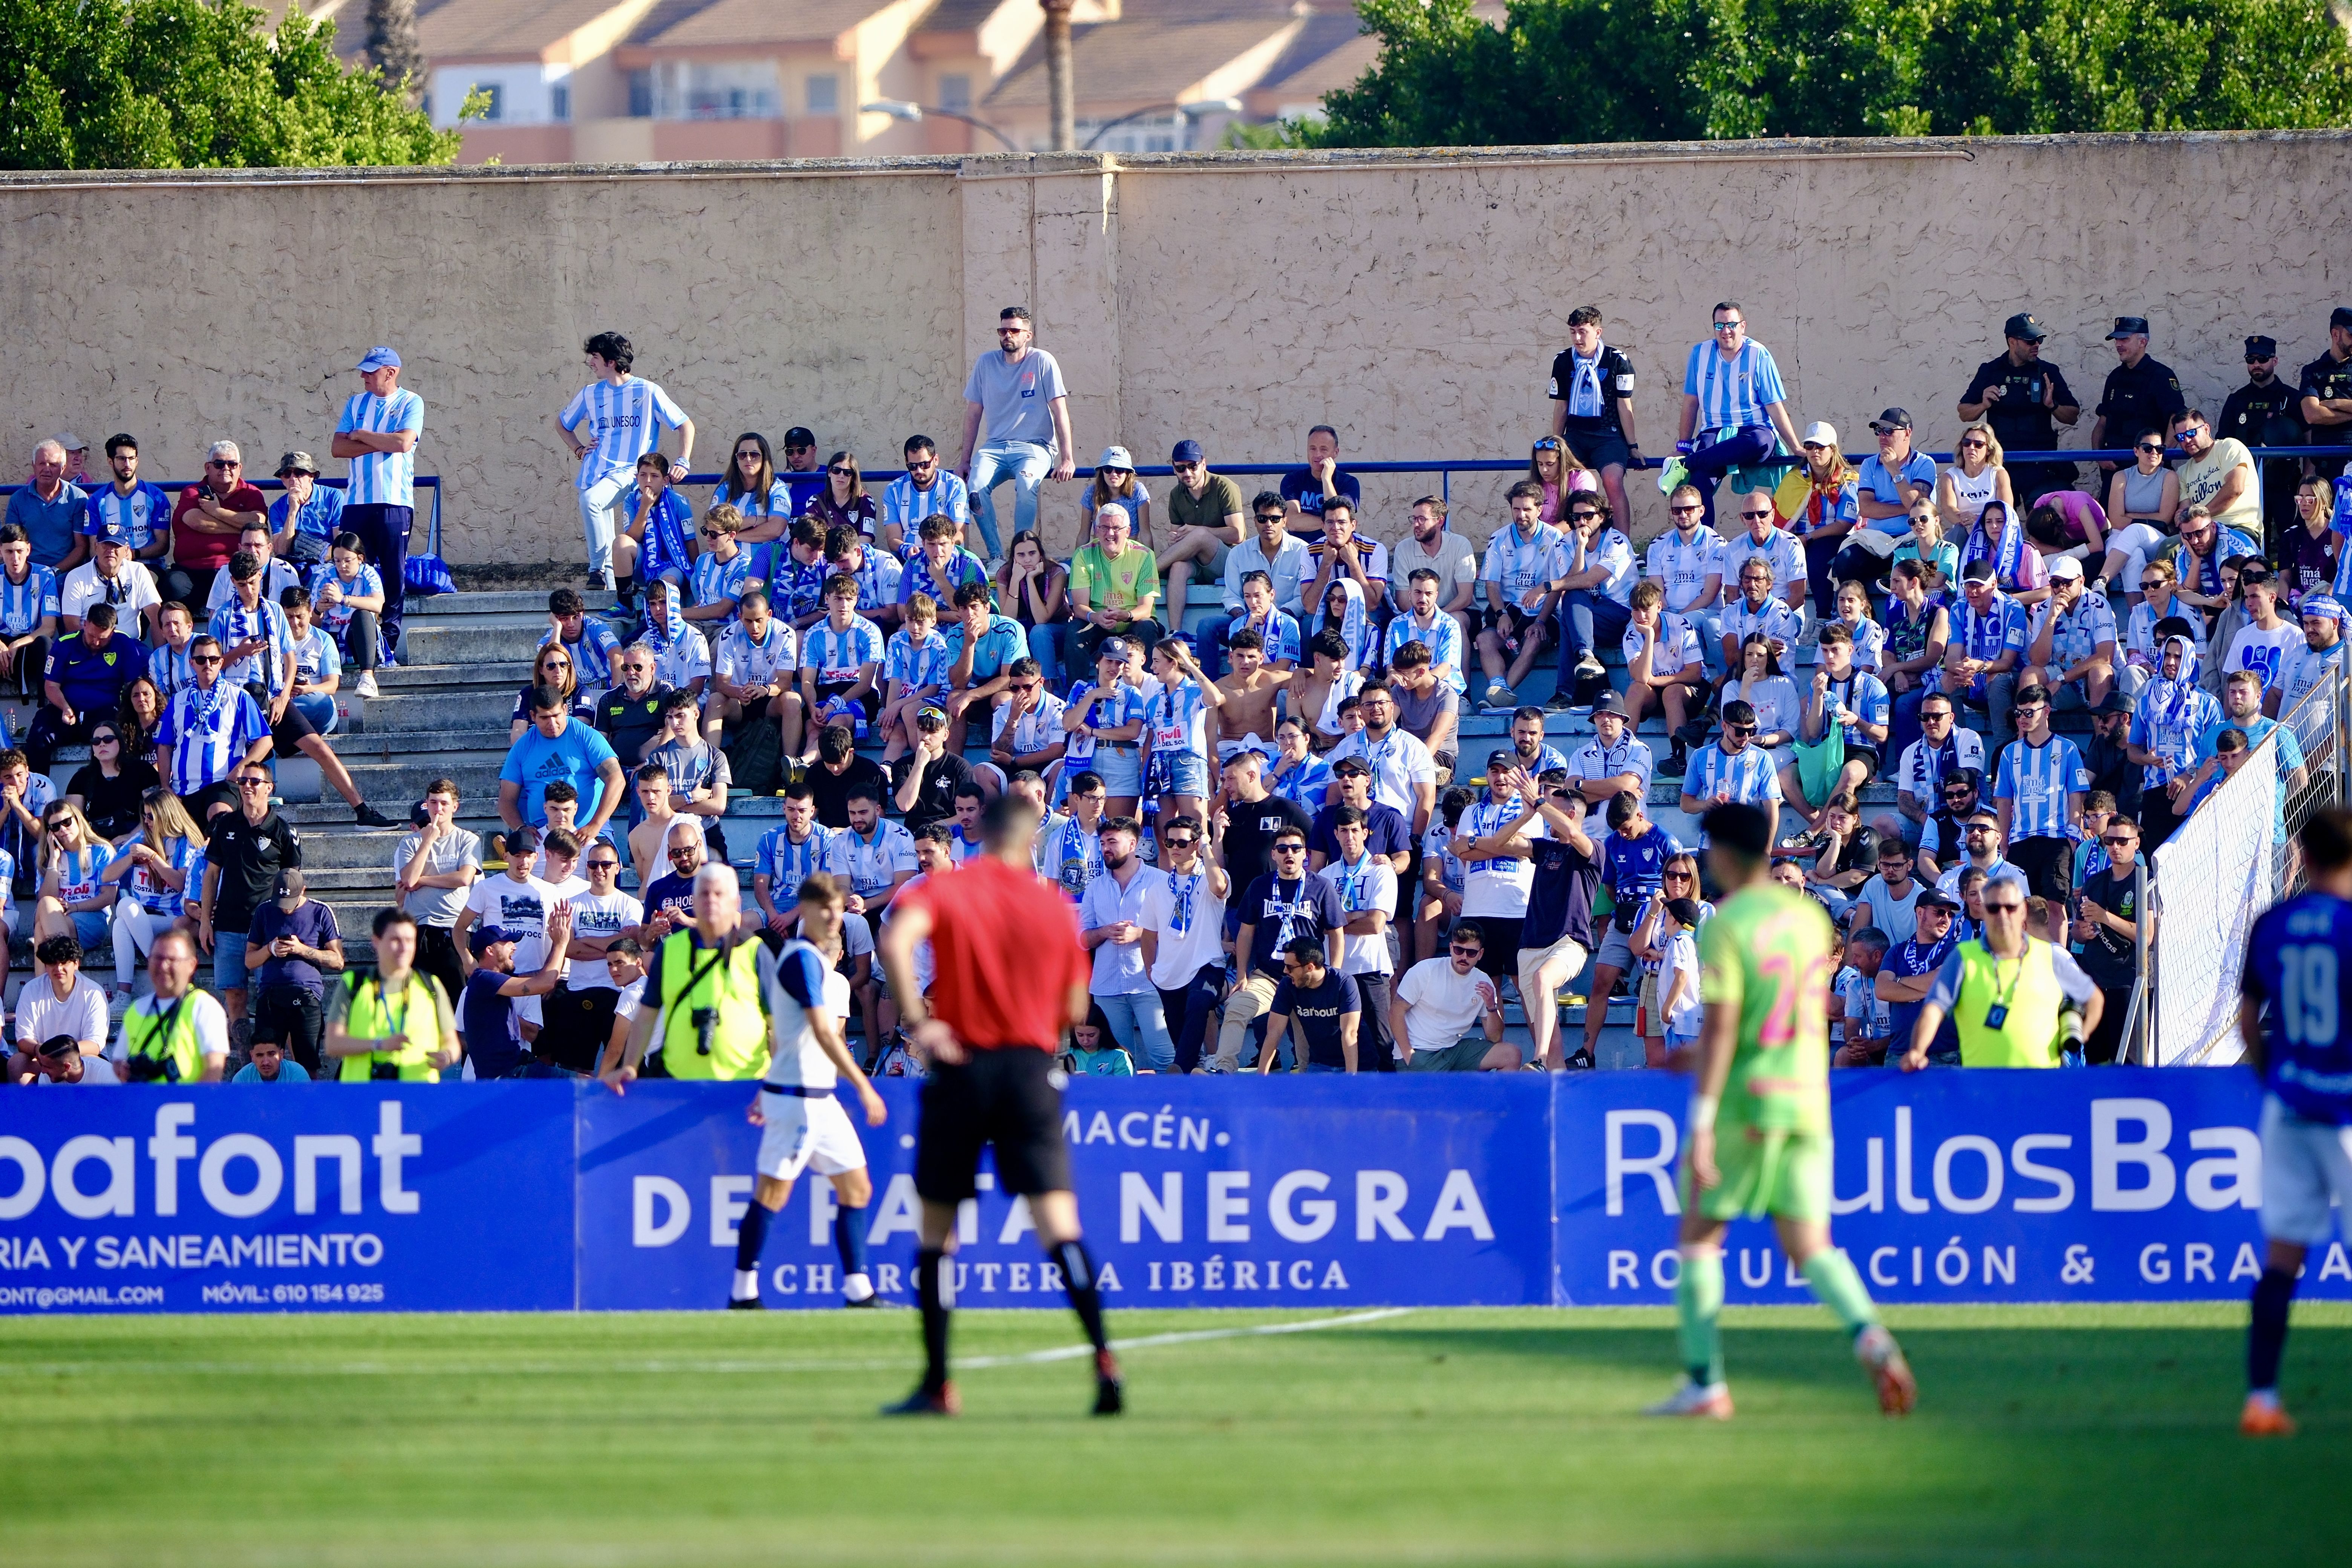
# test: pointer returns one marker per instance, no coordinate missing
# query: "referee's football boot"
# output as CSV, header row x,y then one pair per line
x,y
1110,1394
924,1402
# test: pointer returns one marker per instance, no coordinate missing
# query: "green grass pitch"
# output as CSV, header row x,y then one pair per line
x,y
2058,1436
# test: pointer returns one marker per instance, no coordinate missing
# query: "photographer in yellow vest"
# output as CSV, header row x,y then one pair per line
x,y
2015,1000
394,1026
704,1014
178,1035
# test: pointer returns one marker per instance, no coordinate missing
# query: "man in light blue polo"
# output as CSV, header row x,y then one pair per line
x,y
51,509
1018,391
377,434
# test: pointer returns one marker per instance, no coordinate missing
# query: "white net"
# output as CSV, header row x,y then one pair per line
x,y
2212,878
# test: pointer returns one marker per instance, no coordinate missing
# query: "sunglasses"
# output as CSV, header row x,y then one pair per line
x,y
1685,510
1179,843
1466,949
1290,848
844,473
720,533
1728,326
1992,909
1272,516
604,865
1582,515
204,658
253,783
2117,841
1186,468
2151,446
222,463
1755,514
106,740
792,448
1740,729
1549,444
1975,441
1678,876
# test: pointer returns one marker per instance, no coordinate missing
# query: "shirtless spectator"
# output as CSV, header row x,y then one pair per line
x,y
1246,721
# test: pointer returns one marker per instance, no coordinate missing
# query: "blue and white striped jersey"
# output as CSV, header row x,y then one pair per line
x,y
872,864
208,732
1869,643
787,864
1518,566
2000,628
2080,630
907,507
1863,695
316,658
366,583
911,666
1305,783
1442,637
1278,631
1782,550
233,624
1732,393
2036,781
383,479
669,522
145,512
23,604
1775,620
837,656
170,669
1175,718
1746,779
715,580
593,655
623,423
795,587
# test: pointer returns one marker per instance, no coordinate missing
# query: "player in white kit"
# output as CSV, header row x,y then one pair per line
x,y
805,1125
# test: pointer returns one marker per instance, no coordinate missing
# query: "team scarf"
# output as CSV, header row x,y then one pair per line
x,y
2175,710
2007,552
1354,626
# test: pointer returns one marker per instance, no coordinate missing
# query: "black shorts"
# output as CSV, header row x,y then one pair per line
x,y
1599,448
1867,755
1006,1097
1501,957
577,1025
288,733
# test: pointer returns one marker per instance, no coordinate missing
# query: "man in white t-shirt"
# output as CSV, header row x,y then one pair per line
x,y
1437,1002
1496,883
576,1020
514,900
1434,547
1183,933
1366,886
2267,641
1405,771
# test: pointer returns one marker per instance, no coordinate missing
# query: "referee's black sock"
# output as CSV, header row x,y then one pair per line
x,y
1078,1266
2266,1337
935,1293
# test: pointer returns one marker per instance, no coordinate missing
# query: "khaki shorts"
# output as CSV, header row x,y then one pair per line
x,y
1652,1021
1532,959
1467,1056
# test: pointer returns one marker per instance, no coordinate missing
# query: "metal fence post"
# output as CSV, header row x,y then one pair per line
x,y
2139,1043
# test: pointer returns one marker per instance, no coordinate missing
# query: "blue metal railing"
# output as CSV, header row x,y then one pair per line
x,y
422,481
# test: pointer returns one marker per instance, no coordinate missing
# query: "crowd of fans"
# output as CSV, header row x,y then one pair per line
x,y
1254,812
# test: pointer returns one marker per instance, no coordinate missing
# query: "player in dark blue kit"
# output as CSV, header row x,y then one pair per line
x,y
2294,1013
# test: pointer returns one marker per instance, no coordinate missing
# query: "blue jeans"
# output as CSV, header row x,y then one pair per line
x,y
1139,1014
1045,640
1589,621
1751,445
1902,725
1026,464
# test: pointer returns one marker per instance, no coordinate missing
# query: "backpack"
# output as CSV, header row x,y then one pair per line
x,y
755,757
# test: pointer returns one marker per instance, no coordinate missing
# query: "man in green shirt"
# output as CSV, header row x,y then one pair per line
x,y
1113,584
1757,1138
1204,523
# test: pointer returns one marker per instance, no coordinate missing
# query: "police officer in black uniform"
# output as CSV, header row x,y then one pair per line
x,y
2325,386
2024,401
2140,393
2268,412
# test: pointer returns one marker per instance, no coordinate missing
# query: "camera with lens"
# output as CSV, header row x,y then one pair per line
x,y
150,1069
384,1072
705,1025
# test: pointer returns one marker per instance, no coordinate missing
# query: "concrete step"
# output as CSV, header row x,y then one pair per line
x,y
471,640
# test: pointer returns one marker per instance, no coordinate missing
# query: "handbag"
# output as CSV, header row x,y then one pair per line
x,y
424,574
1819,763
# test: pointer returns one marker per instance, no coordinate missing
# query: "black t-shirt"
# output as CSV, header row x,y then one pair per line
x,y
2112,770
2107,958
2138,399
1318,1013
1301,486
1282,912
1386,832
249,856
112,803
1559,901
1616,373
1250,827
2308,563
2327,378
935,799
630,723
2264,415
2018,420
831,790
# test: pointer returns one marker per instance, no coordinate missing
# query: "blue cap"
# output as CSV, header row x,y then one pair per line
x,y
113,530
481,939
380,358
1186,452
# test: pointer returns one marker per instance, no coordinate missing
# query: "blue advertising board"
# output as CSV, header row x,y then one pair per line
x,y
1487,1189
390,1197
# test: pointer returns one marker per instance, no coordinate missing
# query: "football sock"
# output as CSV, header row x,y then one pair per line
x,y
849,1240
1837,1287
935,1293
1078,1281
1699,1302
2266,1337
750,1235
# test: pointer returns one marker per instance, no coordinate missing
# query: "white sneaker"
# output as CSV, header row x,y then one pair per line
x,y
365,685
1702,1401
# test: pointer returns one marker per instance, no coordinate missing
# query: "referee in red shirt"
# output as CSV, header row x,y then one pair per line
x,y
1010,977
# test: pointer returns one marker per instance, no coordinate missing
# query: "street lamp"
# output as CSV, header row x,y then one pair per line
x,y
1197,109
913,113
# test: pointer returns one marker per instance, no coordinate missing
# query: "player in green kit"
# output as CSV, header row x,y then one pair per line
x,y
1758,1140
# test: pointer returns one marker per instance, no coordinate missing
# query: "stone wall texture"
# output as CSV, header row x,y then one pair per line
x,y
1412,299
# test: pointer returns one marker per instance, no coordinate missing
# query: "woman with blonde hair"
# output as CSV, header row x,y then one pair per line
x,y
1974,477
153,871
75,894
1822,499
552,666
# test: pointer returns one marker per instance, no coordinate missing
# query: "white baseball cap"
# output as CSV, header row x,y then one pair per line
x,y
1820,433
1115,458
2066,568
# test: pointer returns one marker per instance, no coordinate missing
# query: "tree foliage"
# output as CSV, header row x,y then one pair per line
x,y
180,84
1670,70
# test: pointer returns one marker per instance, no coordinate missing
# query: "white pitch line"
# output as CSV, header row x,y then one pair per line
x,y
727,1367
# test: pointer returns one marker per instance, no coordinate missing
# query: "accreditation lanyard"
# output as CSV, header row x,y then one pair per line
x,y
1997,1015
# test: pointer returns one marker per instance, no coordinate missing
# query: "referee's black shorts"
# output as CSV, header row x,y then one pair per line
x,y
1005,1096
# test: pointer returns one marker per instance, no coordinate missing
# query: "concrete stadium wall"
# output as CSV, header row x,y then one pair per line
x,y
1412,300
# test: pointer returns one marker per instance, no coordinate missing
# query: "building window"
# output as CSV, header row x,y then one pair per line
x,y
641,94
494,110
824,95
1146,133
559,101
745,89
955,93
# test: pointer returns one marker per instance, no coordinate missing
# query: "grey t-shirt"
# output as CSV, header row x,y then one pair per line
x,y
1014,398
1419,715
438,906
